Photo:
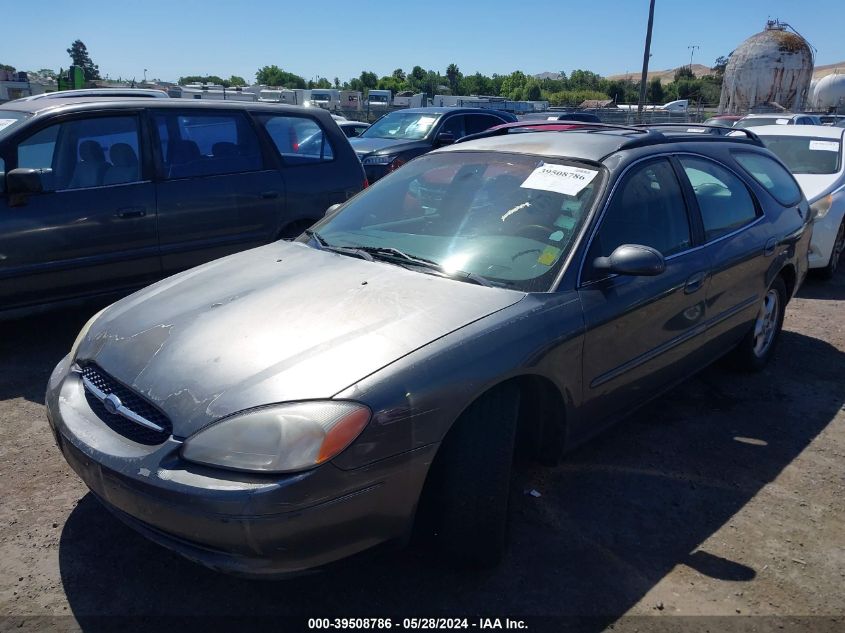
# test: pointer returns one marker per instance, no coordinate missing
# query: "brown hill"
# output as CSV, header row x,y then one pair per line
x,y
828,69
666,76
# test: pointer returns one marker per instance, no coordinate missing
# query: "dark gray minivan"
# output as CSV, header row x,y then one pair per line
x,y
102,196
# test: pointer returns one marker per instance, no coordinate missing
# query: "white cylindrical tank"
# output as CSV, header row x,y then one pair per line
x,y
774,66
829,93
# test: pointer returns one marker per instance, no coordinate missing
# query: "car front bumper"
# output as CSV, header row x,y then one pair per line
x,y
255,525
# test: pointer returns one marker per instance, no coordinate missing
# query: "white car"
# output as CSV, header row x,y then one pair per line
x,y
814,154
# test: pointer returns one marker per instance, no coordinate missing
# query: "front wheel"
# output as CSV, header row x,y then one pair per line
x,y
758,346
469,483
838,247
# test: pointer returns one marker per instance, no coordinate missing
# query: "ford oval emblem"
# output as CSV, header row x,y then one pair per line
x,y
112,403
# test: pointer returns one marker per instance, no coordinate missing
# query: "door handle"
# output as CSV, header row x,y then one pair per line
x,y
771,245
269,195
695,282
131,212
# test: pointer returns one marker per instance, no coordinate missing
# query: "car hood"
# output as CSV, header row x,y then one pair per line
x,y
815,186
365,146
279,323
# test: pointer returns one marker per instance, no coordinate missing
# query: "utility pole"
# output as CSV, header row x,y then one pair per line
x,y
692,48
646,55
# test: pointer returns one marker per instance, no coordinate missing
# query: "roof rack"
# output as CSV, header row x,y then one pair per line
x,y
576,127
715,130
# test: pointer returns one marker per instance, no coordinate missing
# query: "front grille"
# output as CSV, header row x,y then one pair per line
x,y
133,402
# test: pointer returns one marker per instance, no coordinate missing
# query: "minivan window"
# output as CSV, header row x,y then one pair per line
x,y
723,199
203,144
805,154
647,209
771,175
85,153
298,139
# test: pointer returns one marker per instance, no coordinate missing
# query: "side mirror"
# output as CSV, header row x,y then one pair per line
x,y
25,180
445,138
632,259
333,209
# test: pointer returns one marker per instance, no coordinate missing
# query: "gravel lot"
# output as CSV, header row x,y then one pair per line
x,y
723,498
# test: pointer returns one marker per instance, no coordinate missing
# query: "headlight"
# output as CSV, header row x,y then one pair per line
x,y
279,439
382,159
82,333
821,206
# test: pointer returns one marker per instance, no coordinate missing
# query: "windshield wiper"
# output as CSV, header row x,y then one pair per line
x,y
394,254
343,250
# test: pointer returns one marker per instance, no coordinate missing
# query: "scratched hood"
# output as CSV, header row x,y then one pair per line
x,y
278,323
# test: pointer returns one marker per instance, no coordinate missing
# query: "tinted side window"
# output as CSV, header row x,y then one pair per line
x,y
770,175
298,139
648,208
85,153
454,125
479,122
2,175
723,199
203,144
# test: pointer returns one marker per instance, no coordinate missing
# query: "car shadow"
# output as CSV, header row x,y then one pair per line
x,y
612,520
30,348
815,287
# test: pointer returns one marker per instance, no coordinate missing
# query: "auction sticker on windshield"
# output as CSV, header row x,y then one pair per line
x,y
826,146
559,178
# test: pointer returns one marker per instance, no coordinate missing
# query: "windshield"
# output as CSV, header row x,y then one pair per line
x,y
763,120
378,98
510,219
402,125
9,119
806,155
721,122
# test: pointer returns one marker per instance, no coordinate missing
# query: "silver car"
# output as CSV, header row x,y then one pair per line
x,y
288,406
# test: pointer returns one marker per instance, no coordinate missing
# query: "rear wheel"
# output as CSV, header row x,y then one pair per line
x,y
759,344
469,484
838,247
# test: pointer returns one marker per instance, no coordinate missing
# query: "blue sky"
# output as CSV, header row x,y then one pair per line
x,y
172,38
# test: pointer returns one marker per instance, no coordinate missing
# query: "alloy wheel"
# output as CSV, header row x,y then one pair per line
x,y
767,322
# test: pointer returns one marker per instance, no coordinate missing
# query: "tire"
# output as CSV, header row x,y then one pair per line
x,y
469,483
836,254
758,346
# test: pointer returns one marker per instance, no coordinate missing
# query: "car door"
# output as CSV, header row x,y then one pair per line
x,y
218,193
93,229
642,332
740,242
314,175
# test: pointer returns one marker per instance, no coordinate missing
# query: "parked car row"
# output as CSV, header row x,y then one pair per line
x,y
520,290
104,196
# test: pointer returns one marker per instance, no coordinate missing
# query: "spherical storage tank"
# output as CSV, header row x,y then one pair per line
x,y
774,66
829,93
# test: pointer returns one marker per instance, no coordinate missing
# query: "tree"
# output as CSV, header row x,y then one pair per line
x,y
453,74
368,79
655,91
337,82
234,80
684,72
720,64
79,54
7,68
398,75
275,76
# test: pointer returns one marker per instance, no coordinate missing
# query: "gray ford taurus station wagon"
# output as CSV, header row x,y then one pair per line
x,y
284,407
108,195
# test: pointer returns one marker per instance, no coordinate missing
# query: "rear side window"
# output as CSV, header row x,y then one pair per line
x,y
648,209
201,144
772,176
300,140
723,199
479,122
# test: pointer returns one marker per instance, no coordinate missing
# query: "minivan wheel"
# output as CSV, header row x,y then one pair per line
x,y
759,344
838,247
469,483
